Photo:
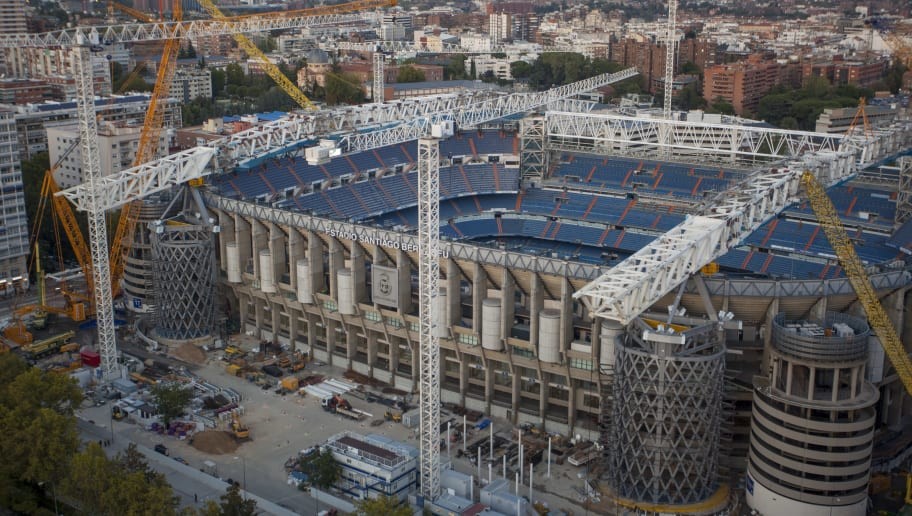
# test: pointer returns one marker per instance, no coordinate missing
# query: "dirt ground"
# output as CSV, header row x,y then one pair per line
x,y
215,442
190,353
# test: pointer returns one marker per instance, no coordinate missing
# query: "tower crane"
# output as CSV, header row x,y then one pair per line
x,y
148,146
855,272
90,39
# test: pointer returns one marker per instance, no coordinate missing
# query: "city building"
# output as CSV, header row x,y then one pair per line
x,y
813,420
190,83
396,27
417,89
741,84
838,120
117,142
14,247
12,21
374,466
57,65
839,71
25,91
31,119
498,67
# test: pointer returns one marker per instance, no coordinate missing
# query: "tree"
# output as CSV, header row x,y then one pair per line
x,y
788,122
107,487
234,74
233,504
722,106
171,400
218,82
455,68
520,69
690,68
381,506
321,468
343,88
409,73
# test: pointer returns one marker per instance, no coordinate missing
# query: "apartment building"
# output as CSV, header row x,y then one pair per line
x,y
742,84
13,221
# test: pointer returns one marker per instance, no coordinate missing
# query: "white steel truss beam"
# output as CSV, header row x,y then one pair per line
x,y
618,132
484,111
410,47
638,282
296,129
137,182
136,32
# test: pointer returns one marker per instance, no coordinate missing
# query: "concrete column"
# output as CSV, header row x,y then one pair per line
x,y
489,386
566,320
835,396
260,238
463,380
276,317
336,262
243,237
293,325
454,295
536,304
393,358
311,333
295,252
543,398
571,406
768,335
315,261
507,306
371,351
358,271
259,315
330,341
818,311
788,379
243,310
514,406
226,234
278,246
404,269
479,292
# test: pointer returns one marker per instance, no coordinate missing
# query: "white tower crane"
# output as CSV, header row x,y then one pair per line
x,y
670,41
379,77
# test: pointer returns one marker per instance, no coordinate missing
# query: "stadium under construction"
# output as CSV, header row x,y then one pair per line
x,y
755,370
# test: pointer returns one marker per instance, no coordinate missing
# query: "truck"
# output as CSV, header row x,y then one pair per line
x,y
240,430
339,405
47,346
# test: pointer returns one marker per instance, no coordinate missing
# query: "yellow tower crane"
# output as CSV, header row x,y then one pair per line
x,y
855,272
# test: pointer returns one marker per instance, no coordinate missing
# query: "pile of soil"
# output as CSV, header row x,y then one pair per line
x,y
214,442
189,353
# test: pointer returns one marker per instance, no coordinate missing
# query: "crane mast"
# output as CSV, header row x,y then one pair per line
x,y
98,231
855,272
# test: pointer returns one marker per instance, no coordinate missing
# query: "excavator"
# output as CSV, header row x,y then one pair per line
x,y
240,430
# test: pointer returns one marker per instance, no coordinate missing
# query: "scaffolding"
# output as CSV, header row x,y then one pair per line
x,y
183,270
533,157
667,414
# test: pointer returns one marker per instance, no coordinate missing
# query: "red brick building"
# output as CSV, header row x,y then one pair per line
x,y
839,71
649,57
26,91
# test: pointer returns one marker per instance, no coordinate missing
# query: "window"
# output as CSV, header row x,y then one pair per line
x,y
579,363
469,339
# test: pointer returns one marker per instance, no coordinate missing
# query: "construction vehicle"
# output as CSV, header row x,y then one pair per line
x,y
393,415
234,352
240,431
118,413
339,405
47,346
290,383
233,369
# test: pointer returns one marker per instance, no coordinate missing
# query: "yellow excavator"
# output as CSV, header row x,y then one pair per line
x,y
239,429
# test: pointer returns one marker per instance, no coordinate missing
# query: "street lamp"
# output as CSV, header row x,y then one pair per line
x,y
244,478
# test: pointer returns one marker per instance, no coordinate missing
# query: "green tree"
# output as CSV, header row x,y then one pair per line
x,y
409,73
455,68
381,506
218,82
233,504
788,122
171,400
520,69
343,88
690,98
267,44
107,487
321,468
234,74
39,432
690,68
722,106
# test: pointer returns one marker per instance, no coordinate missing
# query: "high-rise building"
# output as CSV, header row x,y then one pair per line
x,y
13,221
742,84
12,21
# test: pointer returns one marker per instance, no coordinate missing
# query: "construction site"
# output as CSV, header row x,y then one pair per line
x,y
678,312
